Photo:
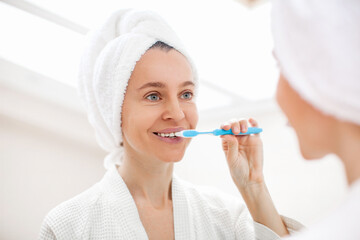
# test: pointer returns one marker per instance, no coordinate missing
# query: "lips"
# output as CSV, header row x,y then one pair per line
x,y
170,130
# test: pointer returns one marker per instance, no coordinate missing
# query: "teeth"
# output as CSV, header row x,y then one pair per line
x,y
168,135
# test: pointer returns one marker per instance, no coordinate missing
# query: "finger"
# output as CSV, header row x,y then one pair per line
x,y
232,146
235,127
225,126
243,126
253,122
226,139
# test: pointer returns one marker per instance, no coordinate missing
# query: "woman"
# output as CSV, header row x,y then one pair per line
x,y
139,86
317,45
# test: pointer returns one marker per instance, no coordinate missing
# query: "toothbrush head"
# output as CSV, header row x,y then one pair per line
x,y
179,134
186,133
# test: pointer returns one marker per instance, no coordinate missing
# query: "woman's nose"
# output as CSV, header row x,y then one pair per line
x,y
173,110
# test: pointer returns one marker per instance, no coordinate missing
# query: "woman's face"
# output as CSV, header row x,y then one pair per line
x,y
159,101
312,128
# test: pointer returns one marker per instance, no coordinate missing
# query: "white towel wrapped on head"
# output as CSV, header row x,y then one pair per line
x,y
110,55
317,44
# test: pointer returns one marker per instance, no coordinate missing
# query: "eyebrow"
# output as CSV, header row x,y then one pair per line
x,y
187,83
161,85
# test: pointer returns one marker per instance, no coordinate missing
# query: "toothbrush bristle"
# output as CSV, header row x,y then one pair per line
x,y
185,133
179,134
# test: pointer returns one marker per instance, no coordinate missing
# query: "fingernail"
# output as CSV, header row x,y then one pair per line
x,y
236,129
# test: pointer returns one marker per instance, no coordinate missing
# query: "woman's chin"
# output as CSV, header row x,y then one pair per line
x,y
172,158
170,155
310,153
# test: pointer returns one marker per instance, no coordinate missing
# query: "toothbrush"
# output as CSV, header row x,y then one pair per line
x,y
216,132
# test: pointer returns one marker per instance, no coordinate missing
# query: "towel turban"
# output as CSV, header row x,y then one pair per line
x,y
317,44
110,55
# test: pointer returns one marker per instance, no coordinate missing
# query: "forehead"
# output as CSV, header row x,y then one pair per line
x,y
168,67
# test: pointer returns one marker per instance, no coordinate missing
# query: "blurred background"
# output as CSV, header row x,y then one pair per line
x,y
48,151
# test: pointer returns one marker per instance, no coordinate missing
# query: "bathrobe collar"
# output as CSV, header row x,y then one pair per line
x,y
125,210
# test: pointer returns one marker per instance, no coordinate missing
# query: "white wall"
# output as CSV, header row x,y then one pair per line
x,y
48,154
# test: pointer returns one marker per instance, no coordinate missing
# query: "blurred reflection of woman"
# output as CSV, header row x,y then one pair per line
x,y
317,45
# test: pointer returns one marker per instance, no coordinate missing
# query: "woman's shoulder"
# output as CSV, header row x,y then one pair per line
x,y
71,216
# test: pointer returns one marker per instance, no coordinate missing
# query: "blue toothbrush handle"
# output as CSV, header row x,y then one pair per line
x,y
251,130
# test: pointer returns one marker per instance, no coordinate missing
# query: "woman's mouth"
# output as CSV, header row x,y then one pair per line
x,y
168,135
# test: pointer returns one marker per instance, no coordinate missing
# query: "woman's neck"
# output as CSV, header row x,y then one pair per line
x,y
147,180
349,150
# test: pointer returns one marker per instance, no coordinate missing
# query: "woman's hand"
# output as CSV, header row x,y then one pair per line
x,y
244,154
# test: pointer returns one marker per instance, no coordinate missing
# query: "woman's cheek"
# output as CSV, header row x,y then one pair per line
x,y
194,116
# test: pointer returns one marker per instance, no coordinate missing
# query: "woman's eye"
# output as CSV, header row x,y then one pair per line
x,y
153,97
187,95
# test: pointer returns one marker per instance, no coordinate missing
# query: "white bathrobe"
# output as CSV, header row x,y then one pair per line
x,y
108,211
342,224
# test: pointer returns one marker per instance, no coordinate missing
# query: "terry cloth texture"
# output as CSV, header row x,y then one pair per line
x,y
317,44
108,211
342,224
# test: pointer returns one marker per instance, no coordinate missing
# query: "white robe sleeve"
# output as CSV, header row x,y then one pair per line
x,y
46,232
264,233
217,215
